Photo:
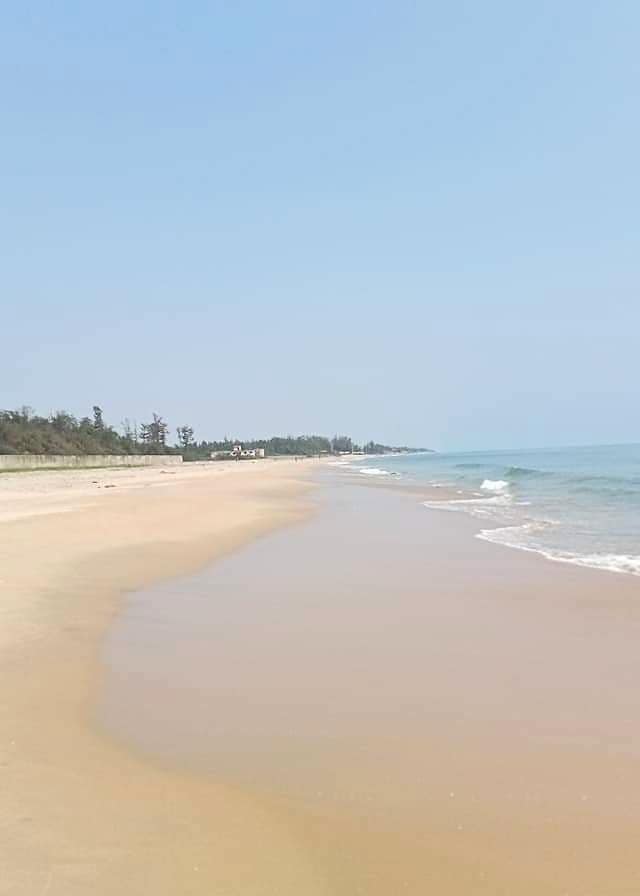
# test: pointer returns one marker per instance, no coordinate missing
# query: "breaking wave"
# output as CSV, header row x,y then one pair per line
x,y
592,495
522,472
494,485
375,471
511,536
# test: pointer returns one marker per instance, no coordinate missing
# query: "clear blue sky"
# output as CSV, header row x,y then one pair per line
x,y
413,221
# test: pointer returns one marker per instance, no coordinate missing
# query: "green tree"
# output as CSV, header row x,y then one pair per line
x,y
154,435
185,437
340,444
145,434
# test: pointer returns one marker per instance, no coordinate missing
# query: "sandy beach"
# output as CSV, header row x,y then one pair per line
x,y
79,814
368,701
429,710
320,449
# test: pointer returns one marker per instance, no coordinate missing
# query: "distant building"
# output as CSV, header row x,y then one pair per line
x,y
238,453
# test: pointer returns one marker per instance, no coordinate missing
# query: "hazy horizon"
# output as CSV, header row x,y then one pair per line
x,y
411,224
358,439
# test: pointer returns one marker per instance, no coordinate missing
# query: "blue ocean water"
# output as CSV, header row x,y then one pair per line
x,y
577,505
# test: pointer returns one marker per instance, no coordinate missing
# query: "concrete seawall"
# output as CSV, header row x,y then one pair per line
x,y
48,461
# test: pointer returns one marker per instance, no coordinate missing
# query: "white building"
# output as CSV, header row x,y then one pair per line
x,y
239,453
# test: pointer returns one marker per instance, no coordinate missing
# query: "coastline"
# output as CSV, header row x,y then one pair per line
x,y
576,506
426,708
392,704
80,813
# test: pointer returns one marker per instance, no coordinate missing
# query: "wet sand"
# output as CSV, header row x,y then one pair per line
x,y
80,814
424,712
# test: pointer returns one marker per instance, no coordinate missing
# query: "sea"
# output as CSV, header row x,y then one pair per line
x,y
573,505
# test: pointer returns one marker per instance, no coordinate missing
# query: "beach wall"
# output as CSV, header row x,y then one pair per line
x,y
47,461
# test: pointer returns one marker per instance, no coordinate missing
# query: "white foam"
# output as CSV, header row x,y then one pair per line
x,y
375,471
629,563
461,503
508,536
494,485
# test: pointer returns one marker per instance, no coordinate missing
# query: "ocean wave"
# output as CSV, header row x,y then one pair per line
x,y
629,563
508,536
604,479
605,491
522,472
494,485
461,503
375,471
593,497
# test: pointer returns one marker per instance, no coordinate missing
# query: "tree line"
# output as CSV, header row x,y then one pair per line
x,y
22,431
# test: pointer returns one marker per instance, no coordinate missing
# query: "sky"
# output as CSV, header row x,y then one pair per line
x,y
413,222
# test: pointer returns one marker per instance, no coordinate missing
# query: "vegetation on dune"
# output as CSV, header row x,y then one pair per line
x,y
24,432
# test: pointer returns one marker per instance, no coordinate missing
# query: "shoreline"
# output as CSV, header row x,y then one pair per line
x,y
451,499
425,709
88,808
79,812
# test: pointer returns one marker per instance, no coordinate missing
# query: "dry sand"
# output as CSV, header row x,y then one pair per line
x,y
78,814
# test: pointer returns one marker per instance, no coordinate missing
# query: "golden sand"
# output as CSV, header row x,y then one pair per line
x,y
432,714
79,815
